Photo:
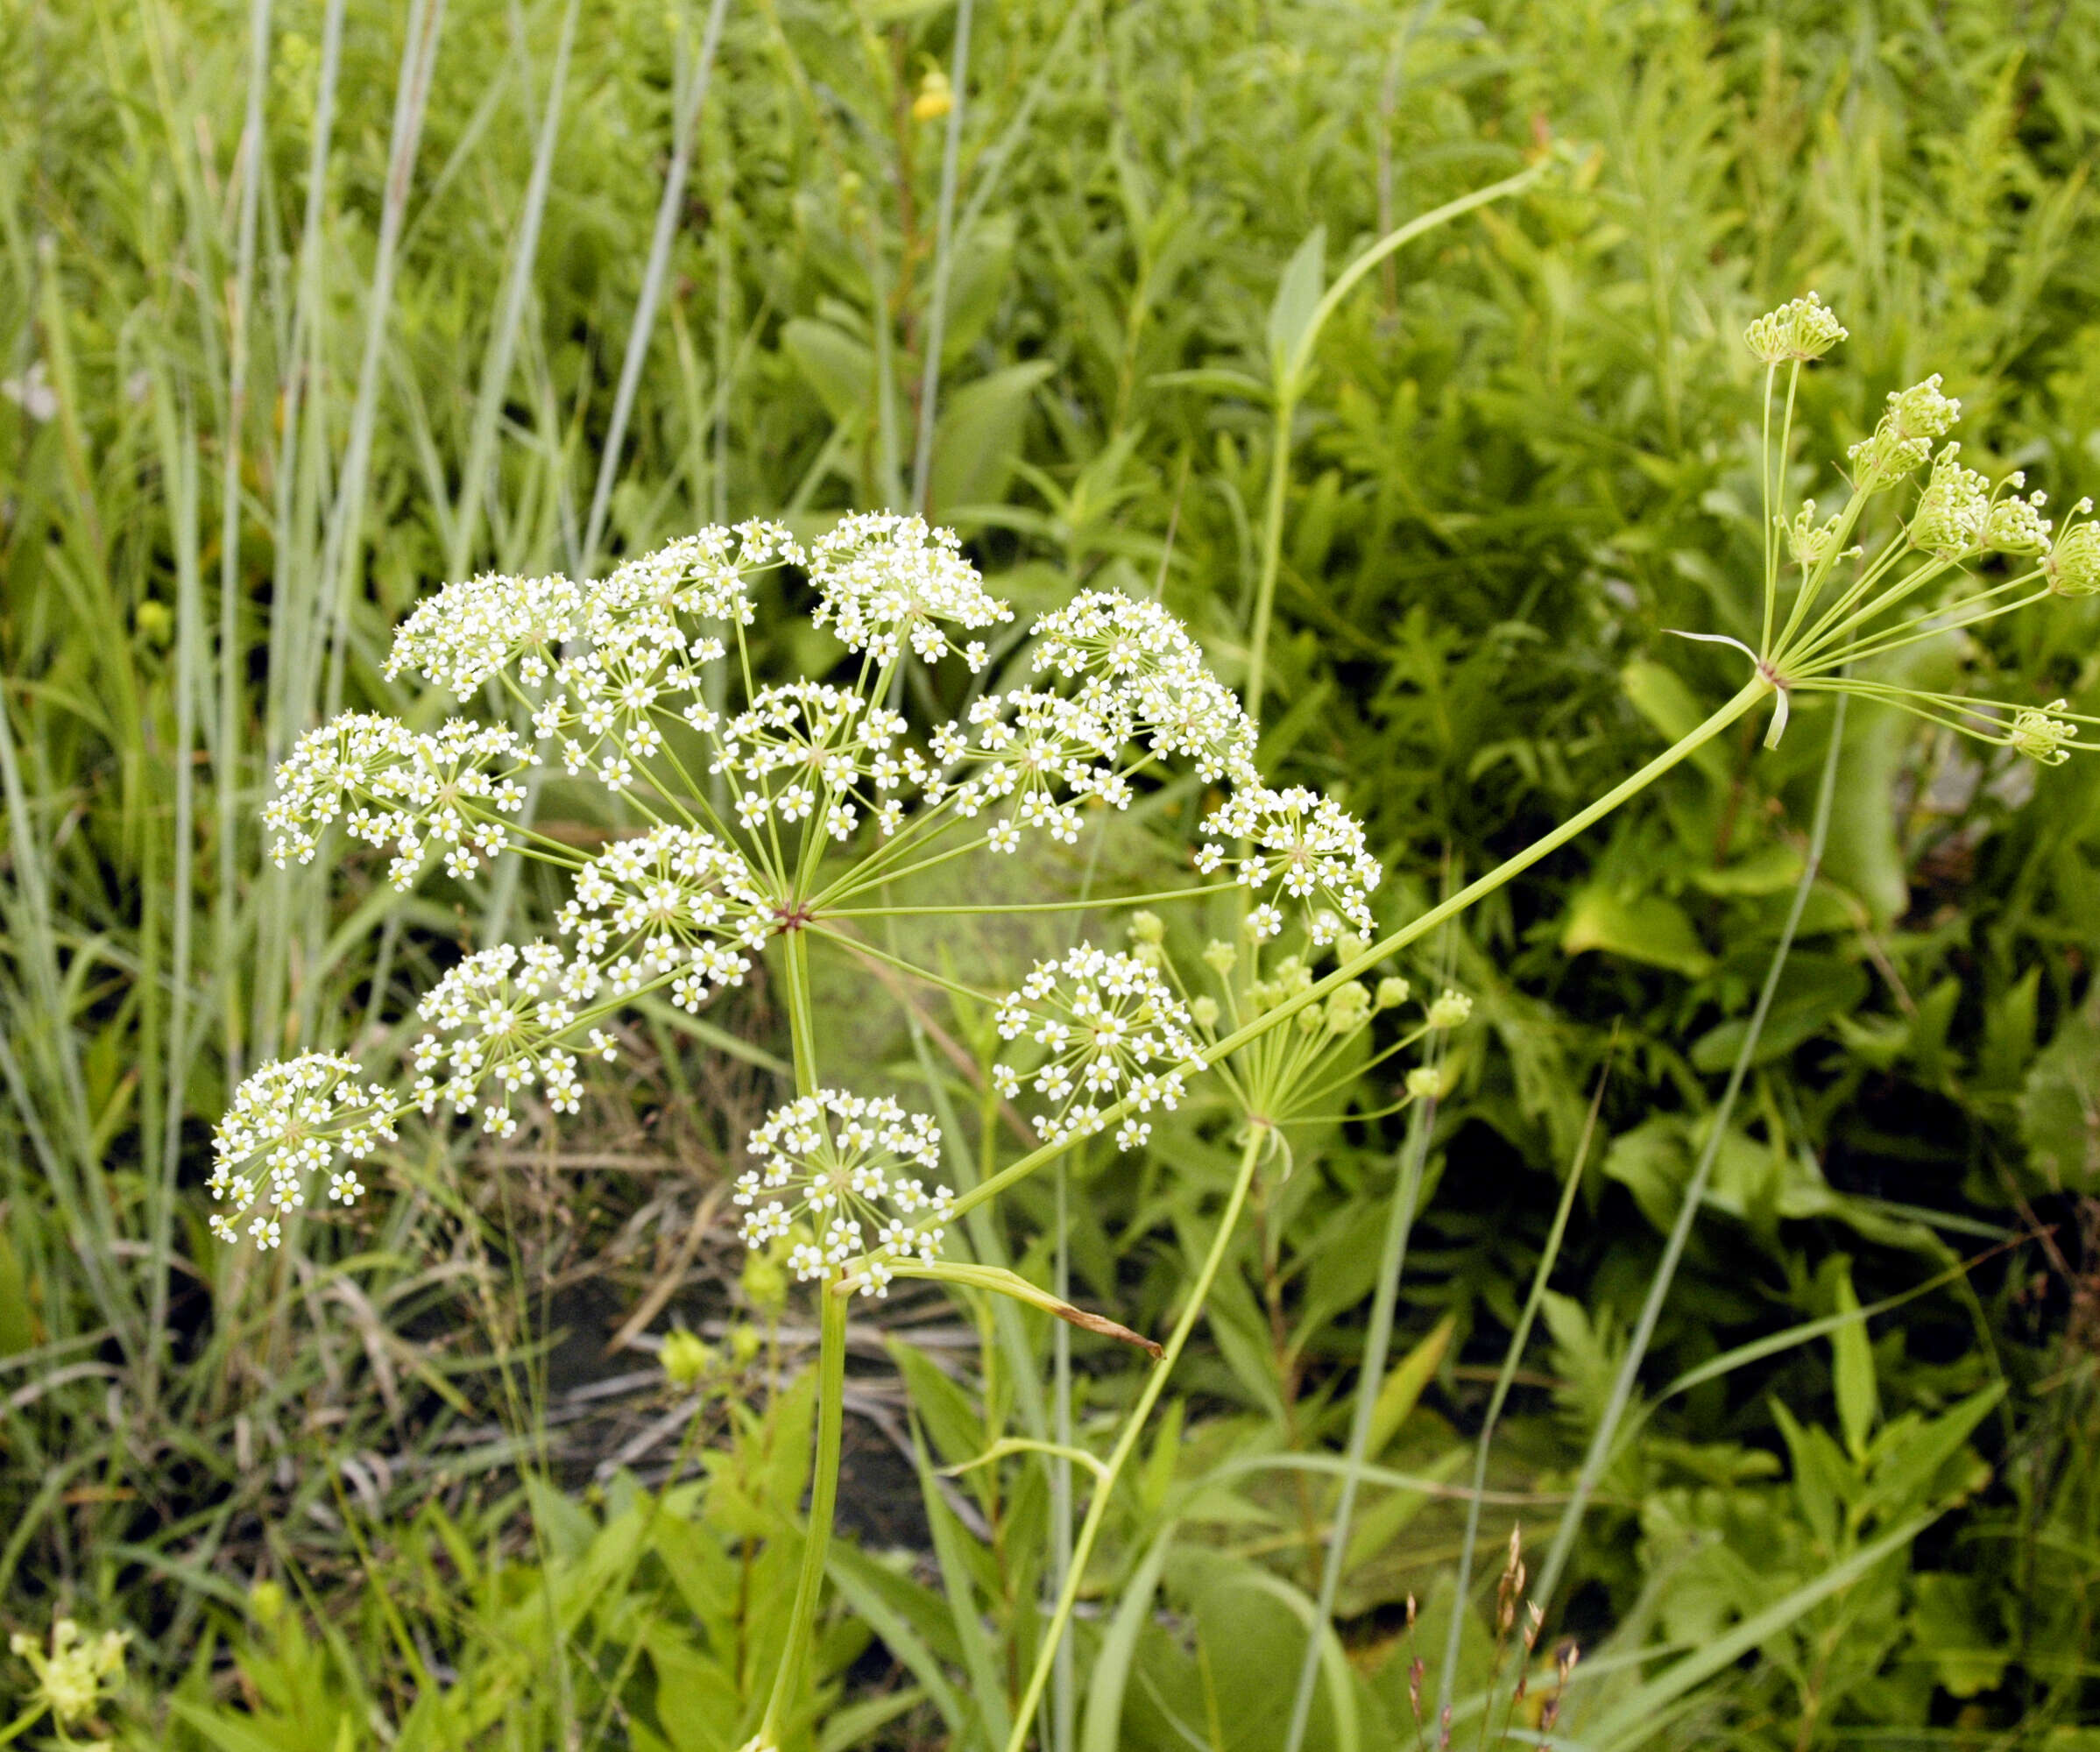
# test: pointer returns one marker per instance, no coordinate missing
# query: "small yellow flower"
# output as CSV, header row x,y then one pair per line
x,y
70,1679
935,98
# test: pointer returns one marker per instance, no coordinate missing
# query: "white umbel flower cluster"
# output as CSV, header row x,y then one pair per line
x,y
1301,846
885,582
291,1123
808,742
401,789
1157,673
1111,1030
770,809
674,902
469,631
834,1164
497,1018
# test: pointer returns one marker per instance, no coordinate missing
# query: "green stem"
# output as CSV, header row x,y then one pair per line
x,y
824,1499
831,1390
1097,1505
1751,693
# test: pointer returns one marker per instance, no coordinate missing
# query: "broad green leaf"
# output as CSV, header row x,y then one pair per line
x,y
978,436
1771,869
1660,696
2060,1106
1403,1386
839,368
1297,300
1852,1359
1101,1727
1648,928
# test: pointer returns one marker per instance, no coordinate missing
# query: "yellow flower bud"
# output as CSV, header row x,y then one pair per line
x,y
935,97
685,1357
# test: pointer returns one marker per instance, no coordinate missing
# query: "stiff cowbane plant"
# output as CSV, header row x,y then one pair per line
x,y
774,820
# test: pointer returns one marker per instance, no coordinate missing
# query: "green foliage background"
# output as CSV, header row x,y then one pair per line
x,y
1527,450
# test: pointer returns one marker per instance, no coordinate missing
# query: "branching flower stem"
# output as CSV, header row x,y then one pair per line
x,y
1746,700
1260,1139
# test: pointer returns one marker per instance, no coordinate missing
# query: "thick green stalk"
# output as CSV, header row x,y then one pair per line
x,y
823,1499
831,1388
1751,692
1134,1426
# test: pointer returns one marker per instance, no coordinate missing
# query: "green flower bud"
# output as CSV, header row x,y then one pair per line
x,y
1915,419
1425,1081
2073,565
1147,928
1222,956
1450,1011
1309,1019
1953,509
1349,1008
685,1357
1392,991
2041,737
266,1602
1802,328
2015,526
1810,542
1349,945
1204,1009
745,1343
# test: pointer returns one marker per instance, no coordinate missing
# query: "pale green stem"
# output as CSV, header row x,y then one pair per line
x,y
1097,1505
824,1499
1745,700
830,1387
1291,380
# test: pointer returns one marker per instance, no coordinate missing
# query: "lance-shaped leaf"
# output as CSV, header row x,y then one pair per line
x,y
1001,1282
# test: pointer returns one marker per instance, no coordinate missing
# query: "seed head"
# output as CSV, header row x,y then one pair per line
x,y
1801,328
